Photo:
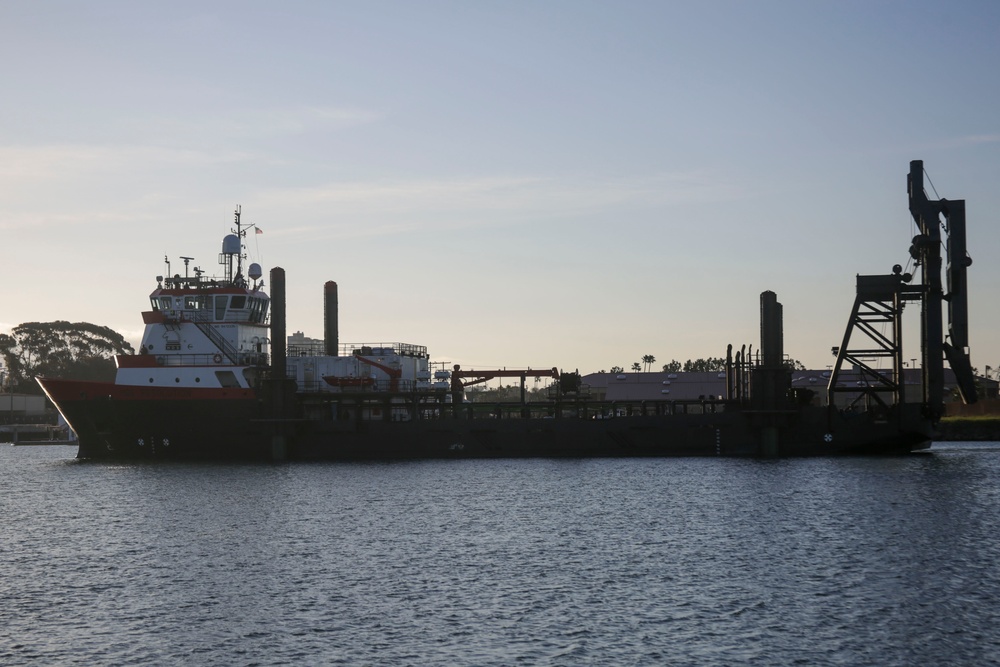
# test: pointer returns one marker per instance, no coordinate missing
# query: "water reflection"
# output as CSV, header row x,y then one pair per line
x,y
868,560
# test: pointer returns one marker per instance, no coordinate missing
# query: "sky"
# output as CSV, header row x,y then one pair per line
x,y
511,184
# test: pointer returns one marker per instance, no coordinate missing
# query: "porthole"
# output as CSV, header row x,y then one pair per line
x,y
150,380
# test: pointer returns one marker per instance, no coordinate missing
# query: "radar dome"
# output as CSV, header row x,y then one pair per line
x,y
255,271
231,245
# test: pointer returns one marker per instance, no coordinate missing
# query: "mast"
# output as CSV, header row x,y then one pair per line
x,y
926,252
240,234
232,246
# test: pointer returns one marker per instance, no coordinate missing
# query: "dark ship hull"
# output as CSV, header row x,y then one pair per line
x,y
127,423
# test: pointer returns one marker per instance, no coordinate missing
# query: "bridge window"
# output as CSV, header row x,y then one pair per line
x,y
255,309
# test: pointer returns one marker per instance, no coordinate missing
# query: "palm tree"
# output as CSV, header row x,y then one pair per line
x,y
636,367
647,361
673,367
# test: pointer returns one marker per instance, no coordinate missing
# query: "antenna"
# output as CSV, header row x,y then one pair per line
x,y
240,234
187,260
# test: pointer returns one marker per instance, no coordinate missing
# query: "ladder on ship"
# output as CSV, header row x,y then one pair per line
x,y
228,349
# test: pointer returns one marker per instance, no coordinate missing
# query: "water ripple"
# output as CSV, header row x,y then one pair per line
x,y
646,562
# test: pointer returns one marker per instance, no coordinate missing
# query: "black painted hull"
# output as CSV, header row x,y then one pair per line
x,y
112,424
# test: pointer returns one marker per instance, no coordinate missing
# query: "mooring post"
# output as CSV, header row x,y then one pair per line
x,y
773,378
279,359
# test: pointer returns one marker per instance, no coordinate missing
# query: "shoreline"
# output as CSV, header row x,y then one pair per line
x,y
952,429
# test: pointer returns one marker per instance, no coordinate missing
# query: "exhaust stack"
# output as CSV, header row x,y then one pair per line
x,y
331,330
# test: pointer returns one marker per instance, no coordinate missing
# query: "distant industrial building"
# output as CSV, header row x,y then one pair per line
x,y
22,408
690,386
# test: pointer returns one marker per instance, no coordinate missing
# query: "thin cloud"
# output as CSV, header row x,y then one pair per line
x,y
42,186
252,124
44,163
393,206
962,142
980,139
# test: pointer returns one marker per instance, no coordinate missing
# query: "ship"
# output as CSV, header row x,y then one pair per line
x,y
216,378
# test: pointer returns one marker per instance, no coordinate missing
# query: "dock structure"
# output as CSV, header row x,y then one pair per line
x,y
36,434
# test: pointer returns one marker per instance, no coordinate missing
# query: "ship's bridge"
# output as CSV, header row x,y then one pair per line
x,y
227,304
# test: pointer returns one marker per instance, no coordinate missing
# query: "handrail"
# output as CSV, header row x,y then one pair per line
x,y
228,349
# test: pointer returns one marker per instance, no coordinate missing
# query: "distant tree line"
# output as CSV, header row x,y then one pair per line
x,y
711,364
70,350
505,393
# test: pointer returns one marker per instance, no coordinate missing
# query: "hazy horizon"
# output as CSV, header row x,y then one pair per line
x,y
568,184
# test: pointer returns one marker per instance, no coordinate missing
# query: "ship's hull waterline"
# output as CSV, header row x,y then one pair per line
x,y
192,425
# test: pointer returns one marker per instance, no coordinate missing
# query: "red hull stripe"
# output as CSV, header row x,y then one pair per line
x,y
77,390
136,361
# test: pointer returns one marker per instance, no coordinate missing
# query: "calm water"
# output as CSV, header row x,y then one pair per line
x,y
889,561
